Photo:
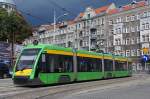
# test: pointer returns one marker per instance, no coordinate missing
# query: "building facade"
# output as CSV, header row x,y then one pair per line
x,y
9,5
121,31
126,27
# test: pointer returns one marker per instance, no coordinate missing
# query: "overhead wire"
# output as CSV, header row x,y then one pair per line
x,y
62,8
31,15
59,6
34,16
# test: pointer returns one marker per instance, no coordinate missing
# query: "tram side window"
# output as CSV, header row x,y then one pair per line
x,y
95,65
120,66
82,64
60,63
89,64
108,65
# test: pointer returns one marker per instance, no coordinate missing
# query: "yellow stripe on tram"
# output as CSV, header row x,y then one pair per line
x,y
71,53
91,56
121,59
108,57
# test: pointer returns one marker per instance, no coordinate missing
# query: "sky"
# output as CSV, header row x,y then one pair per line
x,y
39,12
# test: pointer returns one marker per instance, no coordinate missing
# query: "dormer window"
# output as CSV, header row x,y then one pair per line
x,y
134,3
89,16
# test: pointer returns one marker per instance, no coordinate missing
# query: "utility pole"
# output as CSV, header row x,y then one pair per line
x,y
89,41
54,21
12,48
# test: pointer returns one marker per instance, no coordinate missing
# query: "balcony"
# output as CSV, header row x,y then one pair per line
x,y
93,36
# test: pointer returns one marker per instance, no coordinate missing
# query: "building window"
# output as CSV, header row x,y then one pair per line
x,y
122,53
98,21
116,31
138,16
116,41
143,38
143,26
119,30
148,13
110,22
127,29
133,41
95,22
147,38
111,31
132,17
89,16
79,26
127,52
127,41
80,34
81,43
118,20
84,24
144,14
133,52
138,39
138,52
147,26
137,28
132,29
127,18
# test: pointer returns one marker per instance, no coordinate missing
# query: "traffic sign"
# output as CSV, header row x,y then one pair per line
x,y
145,58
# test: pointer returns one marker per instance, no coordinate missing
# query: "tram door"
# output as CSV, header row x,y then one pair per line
x,y
43,69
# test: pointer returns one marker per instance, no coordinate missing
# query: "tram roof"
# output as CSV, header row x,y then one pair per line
x,y
48,46
55,47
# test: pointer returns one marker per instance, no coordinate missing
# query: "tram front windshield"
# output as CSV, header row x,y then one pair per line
x,y
27,59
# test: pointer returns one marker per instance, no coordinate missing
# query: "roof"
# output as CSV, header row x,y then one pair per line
x,y
97,11
51,26
8,1
112,11
101,9
127,7
80,15
71,22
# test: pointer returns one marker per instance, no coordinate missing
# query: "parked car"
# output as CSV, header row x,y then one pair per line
x,y
4,70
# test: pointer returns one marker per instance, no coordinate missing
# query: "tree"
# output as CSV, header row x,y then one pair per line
x,y
13,22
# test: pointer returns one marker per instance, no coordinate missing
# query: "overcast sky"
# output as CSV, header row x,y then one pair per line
x,y
41,11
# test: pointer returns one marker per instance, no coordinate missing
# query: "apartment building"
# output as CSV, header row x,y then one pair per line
x,y
91,26
81,33
64,34
121,31
128,31
8,4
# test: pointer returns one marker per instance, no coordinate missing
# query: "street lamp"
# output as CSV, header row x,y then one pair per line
x,y
56,18
13,40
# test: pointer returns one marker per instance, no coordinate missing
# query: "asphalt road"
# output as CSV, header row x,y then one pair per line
x,y
139,89
136,87
132,92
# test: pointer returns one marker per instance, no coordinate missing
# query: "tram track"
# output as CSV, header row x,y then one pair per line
x,y
38,93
